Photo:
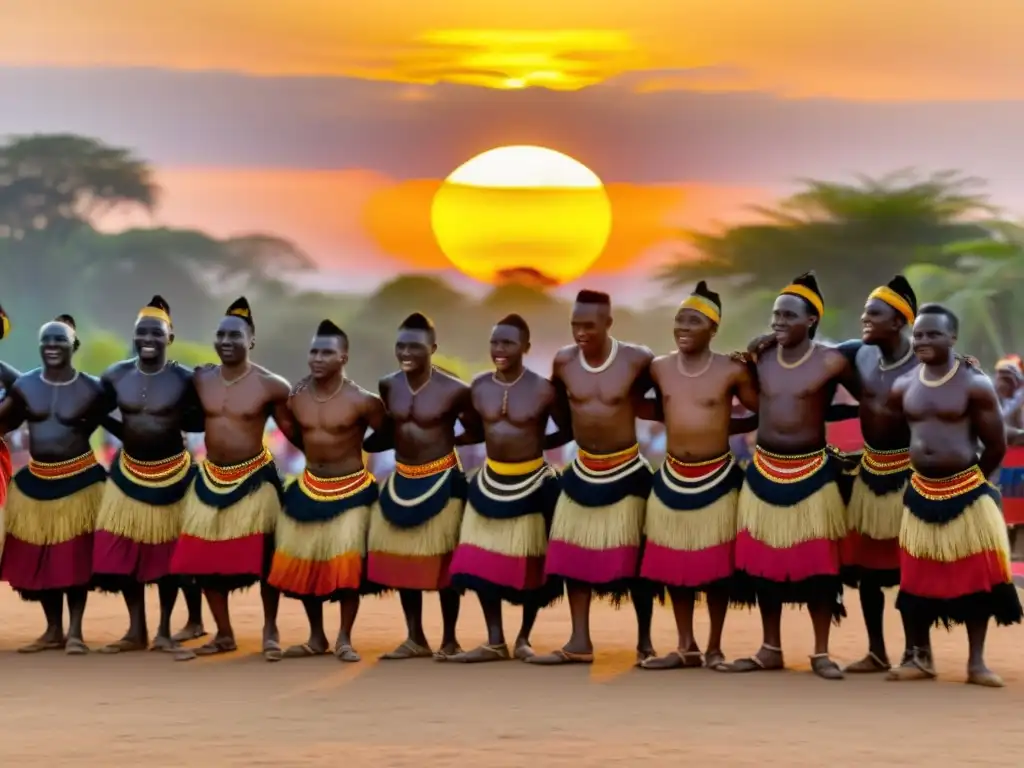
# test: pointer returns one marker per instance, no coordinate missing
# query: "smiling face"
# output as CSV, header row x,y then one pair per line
x,y
233,341
933,338
507,348
327,356
792,320
413,349
56,345
152,337
693,331
590,326
879,322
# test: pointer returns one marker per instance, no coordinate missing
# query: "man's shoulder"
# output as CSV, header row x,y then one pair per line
x,y
566,354
638,352
273,381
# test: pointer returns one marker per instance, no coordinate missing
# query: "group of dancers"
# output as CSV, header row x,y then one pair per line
x,y
913,510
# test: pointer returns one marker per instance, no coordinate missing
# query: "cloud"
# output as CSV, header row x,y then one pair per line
x,y
869,50
223,119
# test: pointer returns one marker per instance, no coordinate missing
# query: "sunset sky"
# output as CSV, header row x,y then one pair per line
x,y
333,126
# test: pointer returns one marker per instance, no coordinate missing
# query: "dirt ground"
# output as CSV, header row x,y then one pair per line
x,y
238,710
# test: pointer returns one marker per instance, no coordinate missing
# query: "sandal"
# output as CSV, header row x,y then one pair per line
x,y
870,664
715,660
916,664
443,655
674,660
408,650
76,647
823,666
303,651
213,648
347,653
483,653
755,663
560,657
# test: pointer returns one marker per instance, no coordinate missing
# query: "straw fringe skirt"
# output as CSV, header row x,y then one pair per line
x,y
49,521
321,536
414,528
227,538
955,553
504,536
139,521
691,524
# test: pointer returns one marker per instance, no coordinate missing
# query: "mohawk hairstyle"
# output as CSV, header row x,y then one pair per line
x,y
938,309
516,321
68,320
240,308
159,302
417,321
900,285
593,297
328,328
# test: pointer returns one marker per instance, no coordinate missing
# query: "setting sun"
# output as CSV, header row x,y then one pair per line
x,y
522,209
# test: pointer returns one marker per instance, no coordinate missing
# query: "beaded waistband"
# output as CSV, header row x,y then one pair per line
x,y
948,487
885,462
235,473
601,462
334,488
161,472
413,471
788,469
694,470
514,469
62,469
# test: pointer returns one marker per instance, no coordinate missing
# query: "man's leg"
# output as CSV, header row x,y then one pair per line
x,y
687,652
271,598
977,671
579,649
415,645
77,597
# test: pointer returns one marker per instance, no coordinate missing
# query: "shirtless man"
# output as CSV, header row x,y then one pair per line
x,y
52,503
411,542
955,555
598,525
140,516
321,532
1010,388
8,375
512,498
791,515
691,513
227,539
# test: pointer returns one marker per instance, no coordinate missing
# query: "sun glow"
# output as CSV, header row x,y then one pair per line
x,y
522,210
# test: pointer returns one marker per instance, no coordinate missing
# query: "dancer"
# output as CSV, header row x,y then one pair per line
x,y
1010,388
8,375
52,502
227,540
140,517
321,531
955,555
691,512
870,552
414,527
790,513
597,532
511,498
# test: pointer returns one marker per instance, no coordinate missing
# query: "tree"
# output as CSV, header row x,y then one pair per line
x,y
984,287
855,236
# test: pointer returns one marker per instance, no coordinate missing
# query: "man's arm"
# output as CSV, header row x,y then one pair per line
x,y
8,375
108,404
561,413
987,423
644,407
383,435
12,411
280,394
472,424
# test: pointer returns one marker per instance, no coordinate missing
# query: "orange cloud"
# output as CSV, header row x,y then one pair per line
x,y
868,50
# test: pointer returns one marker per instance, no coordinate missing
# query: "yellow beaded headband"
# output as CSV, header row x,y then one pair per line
x,y
5,324
242,313
155,312
894,300
705,307
805,293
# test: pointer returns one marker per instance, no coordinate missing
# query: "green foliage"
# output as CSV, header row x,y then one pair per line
x,y
100,350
